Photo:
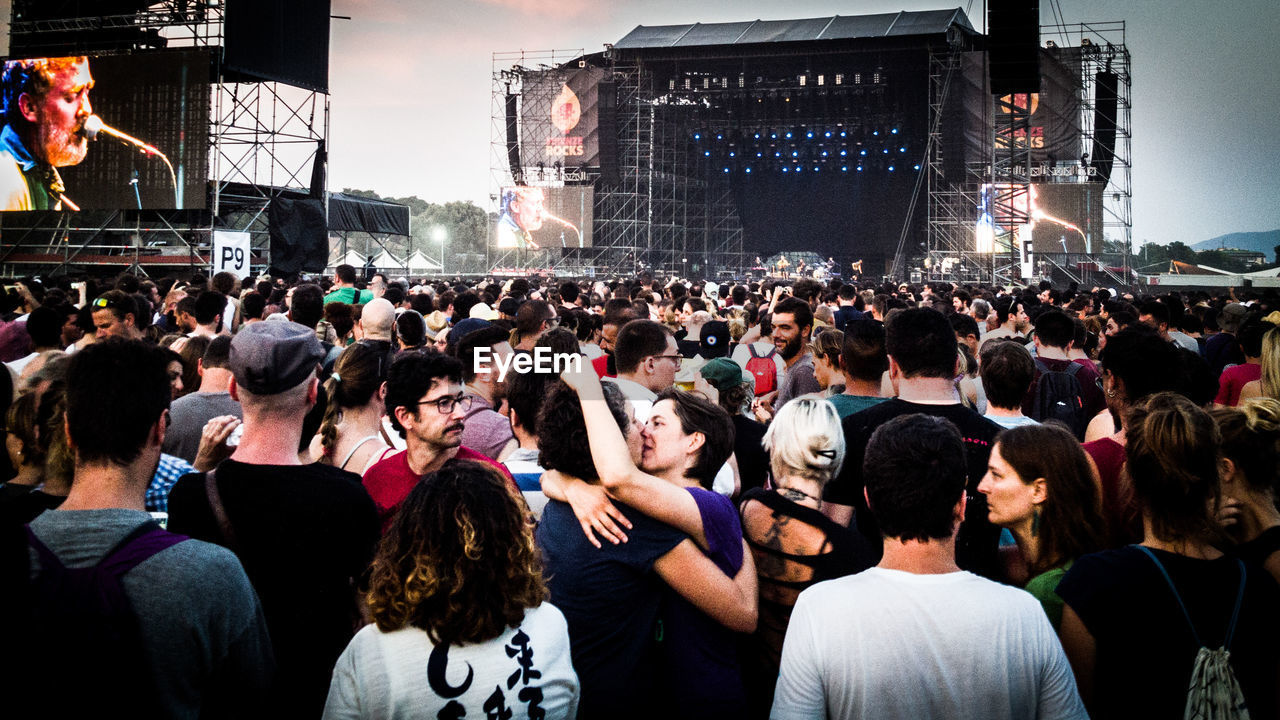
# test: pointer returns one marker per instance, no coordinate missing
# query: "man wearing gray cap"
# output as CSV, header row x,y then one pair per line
x,y
305,533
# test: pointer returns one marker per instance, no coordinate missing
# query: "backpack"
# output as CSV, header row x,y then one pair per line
x,y
763,369
84,630
1214,691
1060,397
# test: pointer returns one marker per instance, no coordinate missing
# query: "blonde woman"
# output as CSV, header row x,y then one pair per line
x,y
1269,384
794,545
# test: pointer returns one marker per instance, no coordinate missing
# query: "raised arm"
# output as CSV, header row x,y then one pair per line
x,y
651,495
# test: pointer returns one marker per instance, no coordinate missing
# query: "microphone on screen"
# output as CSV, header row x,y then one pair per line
x,y
94,125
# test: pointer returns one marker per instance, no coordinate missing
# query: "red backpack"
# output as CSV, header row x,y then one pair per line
x,y
763,369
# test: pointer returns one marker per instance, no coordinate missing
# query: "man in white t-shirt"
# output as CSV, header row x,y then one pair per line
x,y
916,637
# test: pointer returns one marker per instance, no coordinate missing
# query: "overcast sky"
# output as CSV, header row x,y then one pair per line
x,y
411,92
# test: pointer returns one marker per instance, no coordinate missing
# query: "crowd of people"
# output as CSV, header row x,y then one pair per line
x,y
786,499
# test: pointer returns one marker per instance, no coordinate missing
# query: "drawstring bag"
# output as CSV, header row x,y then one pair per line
x,y
1214,692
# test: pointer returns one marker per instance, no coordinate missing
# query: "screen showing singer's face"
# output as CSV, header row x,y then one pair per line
x,y
554,216
159,97
57,116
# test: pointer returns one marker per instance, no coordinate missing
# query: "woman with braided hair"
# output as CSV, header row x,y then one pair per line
x,y
350,436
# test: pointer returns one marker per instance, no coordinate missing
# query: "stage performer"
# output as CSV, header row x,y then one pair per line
x,y
46,103
783,265
521,216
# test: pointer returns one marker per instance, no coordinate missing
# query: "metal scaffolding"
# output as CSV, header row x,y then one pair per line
x,y
664,212
1000,187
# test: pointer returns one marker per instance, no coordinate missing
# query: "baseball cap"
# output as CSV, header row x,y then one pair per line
x,y
460,330
713,341
268,358
723,373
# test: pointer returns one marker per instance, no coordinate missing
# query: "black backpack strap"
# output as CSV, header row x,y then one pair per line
x,y
220,513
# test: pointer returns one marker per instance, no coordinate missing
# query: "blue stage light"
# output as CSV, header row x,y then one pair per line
x,y
784,169
863,152
886,151
917,167
726,170
777,154
843,133
844,168
815,169
902,149
876,133
697,136
719,137
890,168
828,133
843,153
810,135
707,153
824,153
894,131
788,136
748,171
859,168
795,154
759,154
774,136
799,169
757,136
733,154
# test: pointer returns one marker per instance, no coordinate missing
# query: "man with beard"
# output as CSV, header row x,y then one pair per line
x,y
46,102
792,323
521,217
426,405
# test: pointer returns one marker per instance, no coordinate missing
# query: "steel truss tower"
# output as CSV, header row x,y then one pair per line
x,y
660,214
262,135
999,188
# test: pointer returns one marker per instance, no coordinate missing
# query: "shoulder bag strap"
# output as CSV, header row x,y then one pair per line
x,y
219,512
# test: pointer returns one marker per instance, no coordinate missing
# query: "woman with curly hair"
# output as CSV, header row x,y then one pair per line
x,y
456,590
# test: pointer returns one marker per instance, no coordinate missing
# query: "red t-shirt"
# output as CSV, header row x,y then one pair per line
x,y
389,481
1233,381
601,366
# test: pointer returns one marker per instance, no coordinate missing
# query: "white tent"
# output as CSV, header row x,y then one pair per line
x,y
419,263
386,261
352,258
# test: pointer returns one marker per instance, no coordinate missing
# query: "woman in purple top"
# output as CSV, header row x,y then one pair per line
x,y
686,441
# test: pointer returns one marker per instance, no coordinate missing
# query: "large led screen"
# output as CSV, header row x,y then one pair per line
x,y
540,218
559,118
105,132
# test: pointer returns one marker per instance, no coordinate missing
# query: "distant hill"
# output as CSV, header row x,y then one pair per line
x,y
1263,242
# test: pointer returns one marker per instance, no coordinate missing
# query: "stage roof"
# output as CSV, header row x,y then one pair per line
x,y
838,27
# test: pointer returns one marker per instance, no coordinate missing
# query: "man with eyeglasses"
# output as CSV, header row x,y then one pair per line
x,y
647,357
427,406
115,314
305,533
